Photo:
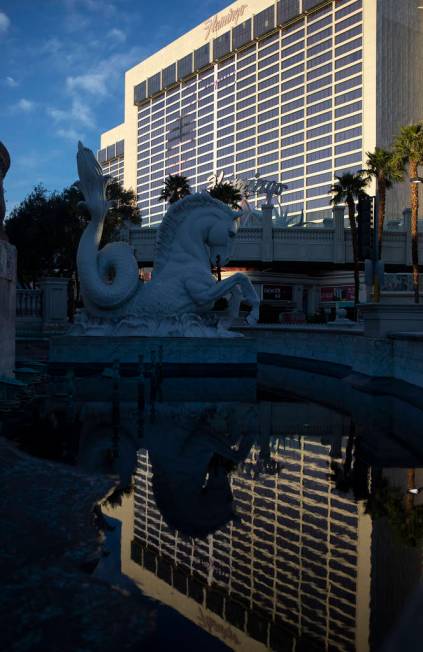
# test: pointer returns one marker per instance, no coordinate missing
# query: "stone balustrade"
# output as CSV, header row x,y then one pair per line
x,y
329,243
42,310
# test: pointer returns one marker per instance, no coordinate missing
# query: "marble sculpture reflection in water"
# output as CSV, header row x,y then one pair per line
x,y
179,298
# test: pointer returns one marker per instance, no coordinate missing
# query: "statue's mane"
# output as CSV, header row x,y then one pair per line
x,y
175,215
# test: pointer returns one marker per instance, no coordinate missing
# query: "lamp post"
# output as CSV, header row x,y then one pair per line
x,y
416,180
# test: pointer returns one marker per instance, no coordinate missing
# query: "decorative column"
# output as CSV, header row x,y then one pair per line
x,y
267,233
339,234
407,228
54,304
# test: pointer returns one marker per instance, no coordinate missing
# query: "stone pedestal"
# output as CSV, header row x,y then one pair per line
x,y
380,319
54,304
7,308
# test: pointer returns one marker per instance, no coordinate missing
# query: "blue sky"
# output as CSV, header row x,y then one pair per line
x,y
62,73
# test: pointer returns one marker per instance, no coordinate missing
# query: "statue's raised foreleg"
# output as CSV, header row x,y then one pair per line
x,y
206,291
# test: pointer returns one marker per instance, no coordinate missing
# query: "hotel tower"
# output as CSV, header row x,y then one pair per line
x,y
295,90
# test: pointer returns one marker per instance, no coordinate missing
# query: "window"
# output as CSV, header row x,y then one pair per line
x,y
268,93
319,24
296,126
268,158
347,47
320,178
319,203
246,71
292,162
350,133
349,83
344,36
268,147
286,97
268,61
246,144
290,140
292,151
265,52
319,142
354,56
292,105
290,38
292,116
323,70
319,190
293,196
347,122
274,101
269,71
268,114
316,108
315,97
287,63
268,125
319,36
348,108
318,61
319,167
298,183
352,20
268,136
347,160
319,83
322,117
347,147
292,174
268,82
319,154
321,47
292,49
293,82
269,169
292,72
348,9
348,97
244,103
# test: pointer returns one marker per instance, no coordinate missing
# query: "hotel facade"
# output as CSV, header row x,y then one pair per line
x,y
295,90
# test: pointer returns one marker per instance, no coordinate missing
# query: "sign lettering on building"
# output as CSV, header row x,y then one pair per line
x,y
277,293
340,293
256,186
213,25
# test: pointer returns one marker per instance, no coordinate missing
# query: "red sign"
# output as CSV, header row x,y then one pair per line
x,y
277,293
339,293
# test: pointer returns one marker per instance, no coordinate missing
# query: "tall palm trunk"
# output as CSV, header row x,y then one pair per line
x,y
354,239
381,212
414,192
411,483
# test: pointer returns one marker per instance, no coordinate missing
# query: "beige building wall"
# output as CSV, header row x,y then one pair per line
x,y
399,78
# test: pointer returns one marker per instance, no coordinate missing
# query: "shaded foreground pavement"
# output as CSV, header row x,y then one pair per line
x,y
49,543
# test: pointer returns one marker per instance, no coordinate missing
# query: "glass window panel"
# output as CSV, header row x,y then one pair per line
x,y
316,108
323,117
268,82
323,70
290,38
347,47
355,6
288,9
318,154
268,125
287,63
319,36
320,178
292,116
319,83
319,142
347,122
347,160
319,167
318,61
298,183
348,97
290,140
292,105
292,151
319,24
268,147
296,126
269,71
292,174
293,82
319,190
348,108
348,147
349,83
349,133
292,162
286,97
350,33
292,72
269,50
320,95
350,58
319,203
320,47
266,62
268,136
246,71
292,49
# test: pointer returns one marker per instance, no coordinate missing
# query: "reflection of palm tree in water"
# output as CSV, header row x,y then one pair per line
x,y
353,473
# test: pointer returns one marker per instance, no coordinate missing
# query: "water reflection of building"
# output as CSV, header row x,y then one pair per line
x,y
295,565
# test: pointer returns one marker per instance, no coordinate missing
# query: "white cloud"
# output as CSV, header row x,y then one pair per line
x,y
94,83
11,82
117,35
4,23
71,134
79,115
25,105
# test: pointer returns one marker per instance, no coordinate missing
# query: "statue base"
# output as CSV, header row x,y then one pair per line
x,y
192,368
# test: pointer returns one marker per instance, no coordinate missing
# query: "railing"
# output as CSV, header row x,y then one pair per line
x,y
330,243
28,304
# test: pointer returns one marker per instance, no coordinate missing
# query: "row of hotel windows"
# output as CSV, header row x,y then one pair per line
x,y
251,117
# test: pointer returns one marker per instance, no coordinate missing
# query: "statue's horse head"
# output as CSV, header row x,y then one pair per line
x,y
201,226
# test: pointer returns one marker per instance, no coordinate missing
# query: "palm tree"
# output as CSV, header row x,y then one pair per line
x,y
227,193
382,166
408,150
175,187
347,190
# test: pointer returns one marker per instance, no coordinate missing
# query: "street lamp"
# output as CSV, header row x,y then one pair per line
x,y
415,490
416,180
